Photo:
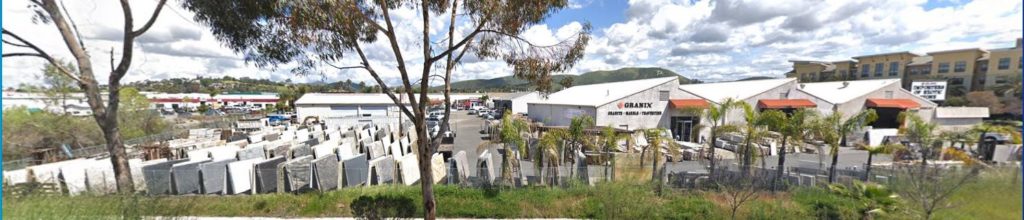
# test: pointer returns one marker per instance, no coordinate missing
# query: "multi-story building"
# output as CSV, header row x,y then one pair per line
x,y
964,70
1003,66
814,71
958,68
884,66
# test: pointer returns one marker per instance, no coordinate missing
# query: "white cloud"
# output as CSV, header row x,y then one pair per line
x,y
719,40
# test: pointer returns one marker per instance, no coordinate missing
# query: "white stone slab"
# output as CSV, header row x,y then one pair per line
x,y
377,150
486,167
396,149
409,169
223,152
74,178
100,176
240,176
440,171
13,177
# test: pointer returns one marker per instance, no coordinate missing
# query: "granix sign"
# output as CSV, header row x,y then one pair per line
x,y
635,105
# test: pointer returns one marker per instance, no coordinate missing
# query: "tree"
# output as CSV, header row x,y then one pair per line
x,y
872,151
716,115
793,128
833,129
549,147
985,99
514,133
312,34
59,85
874,199
919,132
576,138
106,115
754,131
609,140
566,82
930,188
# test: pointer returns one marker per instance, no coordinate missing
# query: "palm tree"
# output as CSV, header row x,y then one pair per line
x,y
879,149
548,147
875,199
577,138
658,141
513,133
716,115
832,130
610,140
920,132
792,128
753,131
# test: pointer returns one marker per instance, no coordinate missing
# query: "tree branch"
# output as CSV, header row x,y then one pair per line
x,y
400,60
14,44
344,67
462,42
74,25
156,13
383,86
38,53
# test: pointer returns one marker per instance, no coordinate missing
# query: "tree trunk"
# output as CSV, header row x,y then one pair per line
x,y
867,167
832,167
426,173
782,164
711,160
119,159
643,153
654,164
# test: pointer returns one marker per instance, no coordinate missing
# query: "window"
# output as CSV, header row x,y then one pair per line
x,y
814,76
888,94
983,67
878,69
1004,63
784,95
956,81
894,68
943,67
960,66
925,70
159,105
663,95
864,69
1002,79
842,73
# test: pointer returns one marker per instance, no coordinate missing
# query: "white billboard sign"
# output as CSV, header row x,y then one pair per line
x,y
933,90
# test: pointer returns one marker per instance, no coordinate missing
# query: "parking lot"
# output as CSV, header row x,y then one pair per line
x,y
467,136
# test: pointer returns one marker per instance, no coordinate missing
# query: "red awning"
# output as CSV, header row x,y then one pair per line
x,y
685,103
892,103
785,103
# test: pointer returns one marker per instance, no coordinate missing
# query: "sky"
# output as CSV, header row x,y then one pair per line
x,y
708,40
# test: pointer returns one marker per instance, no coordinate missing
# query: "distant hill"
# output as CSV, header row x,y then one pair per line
x,y
755,78
229,84
509,83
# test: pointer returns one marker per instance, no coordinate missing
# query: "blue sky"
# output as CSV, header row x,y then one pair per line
x,y
711,40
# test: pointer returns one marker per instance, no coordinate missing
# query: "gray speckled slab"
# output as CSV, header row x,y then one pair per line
x,y
214,175
266,175
186,177
158,177
298,174
325,173
355,170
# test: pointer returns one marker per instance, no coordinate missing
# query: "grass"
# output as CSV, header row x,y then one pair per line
x,y
993,196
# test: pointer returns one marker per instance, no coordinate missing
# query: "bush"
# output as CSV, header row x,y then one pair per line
x,y
822,204
383,206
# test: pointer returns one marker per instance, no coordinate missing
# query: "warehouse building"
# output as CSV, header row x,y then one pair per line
x,y
516,102
886,96
336,105
760,94
628,105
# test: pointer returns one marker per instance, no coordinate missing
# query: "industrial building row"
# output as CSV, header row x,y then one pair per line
x,y
661,103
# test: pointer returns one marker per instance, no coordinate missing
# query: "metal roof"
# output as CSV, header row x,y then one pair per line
x,y
716,92
604,93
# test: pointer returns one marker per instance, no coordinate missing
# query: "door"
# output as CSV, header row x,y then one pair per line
x,y
682,128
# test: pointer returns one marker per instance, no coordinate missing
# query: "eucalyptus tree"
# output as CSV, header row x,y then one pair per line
x,y
105,114
309,35
793,128
716,116
833,129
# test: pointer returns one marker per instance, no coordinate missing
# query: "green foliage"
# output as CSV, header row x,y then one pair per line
x,y
822,204
383,206
875,199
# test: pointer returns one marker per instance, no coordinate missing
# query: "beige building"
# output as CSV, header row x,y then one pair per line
x,y
965,70
1003,66
883,66
817,71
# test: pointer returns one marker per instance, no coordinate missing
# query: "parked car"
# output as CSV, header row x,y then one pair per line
x,y
471,112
